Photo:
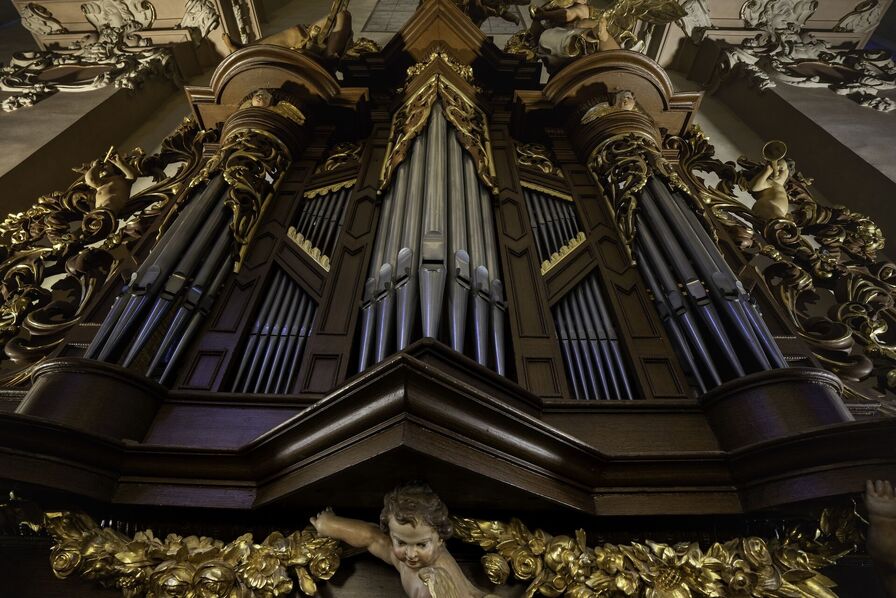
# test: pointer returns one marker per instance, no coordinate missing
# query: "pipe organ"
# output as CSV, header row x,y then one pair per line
x,y
430,267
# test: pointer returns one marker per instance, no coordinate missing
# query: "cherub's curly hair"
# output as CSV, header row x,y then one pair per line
x,y
417,504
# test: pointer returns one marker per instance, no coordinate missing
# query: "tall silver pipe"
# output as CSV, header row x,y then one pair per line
x,y
177,280
696,291
307,210
563,333
716,270
537,226
434,246
667,315
459,272
496,294
675,300
612,337
575,347
276,362
330,203
607,341
198,289
408,260
687,274
597,335
596,372
305,331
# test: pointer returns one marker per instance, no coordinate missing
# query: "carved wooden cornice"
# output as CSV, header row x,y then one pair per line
x,y
245,70
457,420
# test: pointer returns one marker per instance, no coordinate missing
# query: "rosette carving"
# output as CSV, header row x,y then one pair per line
x,y
60,252
821,263
566,566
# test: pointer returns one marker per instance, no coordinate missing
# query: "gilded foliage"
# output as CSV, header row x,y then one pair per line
x,y
553,566
194,567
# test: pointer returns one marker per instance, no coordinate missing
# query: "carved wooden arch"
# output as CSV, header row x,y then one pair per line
x,y
623,69
265,66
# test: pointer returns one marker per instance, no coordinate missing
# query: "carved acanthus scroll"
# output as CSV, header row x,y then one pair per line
x,y
252,162
469,122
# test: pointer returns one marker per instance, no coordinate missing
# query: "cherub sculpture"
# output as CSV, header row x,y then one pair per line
x,y
623,101
112,179
411,537
880,500
769,189
328,37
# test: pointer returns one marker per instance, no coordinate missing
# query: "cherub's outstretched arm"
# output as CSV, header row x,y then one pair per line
x,y
129,173
359,534
760,181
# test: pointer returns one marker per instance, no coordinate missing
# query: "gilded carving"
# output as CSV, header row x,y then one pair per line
x,y
39,20
341,154
252,162
863,18
565,565
813,256
60,252
469,122
561,253
696,19
563,30
623,164
305,245
125,60
777,15
145,565
546,190
464,70
200,15
537,156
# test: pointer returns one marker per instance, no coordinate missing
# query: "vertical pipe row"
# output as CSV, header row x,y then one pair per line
x,y
435,253
589,344
729,339
554,222
275,344
320,219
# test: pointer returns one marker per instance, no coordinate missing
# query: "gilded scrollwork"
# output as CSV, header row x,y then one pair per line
x,y
57,254
821,263
565,565
341,154
252,162
469,122
623,164
146,565
537,156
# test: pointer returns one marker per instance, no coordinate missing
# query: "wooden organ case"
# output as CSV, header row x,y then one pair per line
x,y
437,268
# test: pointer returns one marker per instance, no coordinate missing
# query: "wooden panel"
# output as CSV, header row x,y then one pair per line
x,y
528,317
204,369
322,373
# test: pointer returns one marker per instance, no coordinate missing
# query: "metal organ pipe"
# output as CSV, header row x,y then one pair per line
x,y
712,287
439,254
